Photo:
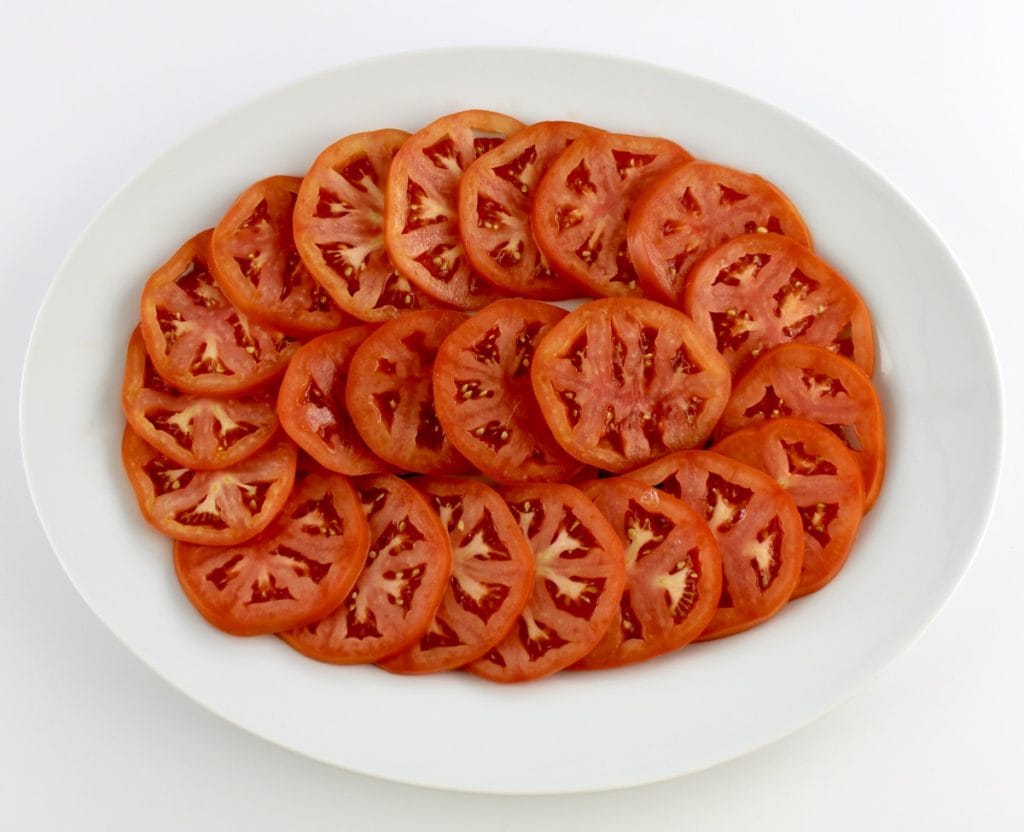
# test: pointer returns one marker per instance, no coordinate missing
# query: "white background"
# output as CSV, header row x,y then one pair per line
x,y
929,93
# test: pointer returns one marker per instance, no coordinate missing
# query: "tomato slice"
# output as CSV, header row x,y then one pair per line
x,y
821,476
492,576
755,523
484,398
495,204
294,573
692,209
580,573
199,432
421,225
809,382
258,267
583,204
197,340
673,573
760,290
222,507
311,403
400,588
390,393
625,380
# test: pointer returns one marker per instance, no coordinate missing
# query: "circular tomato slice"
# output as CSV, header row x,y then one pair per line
x,y
400,588
390,393
492,576
580,572
339,227
484,398
222,507
421,224
755,523
821,476
257,265
760,290
673,573
311,403
196,338
625,380
809,382
495,204
294,573
692,209
198,432
583,204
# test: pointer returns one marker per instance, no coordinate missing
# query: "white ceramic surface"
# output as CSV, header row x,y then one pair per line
x,y
574,732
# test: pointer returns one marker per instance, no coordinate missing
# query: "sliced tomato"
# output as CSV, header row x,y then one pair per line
x,y
760,290
421,224
583,203
258,267
821,475
755,523
673,573
492,576
198,341
311,403
222,507
809,382
390,393
199,432
484,398
694,208
400,587
580,573
294,573
495,204
623,381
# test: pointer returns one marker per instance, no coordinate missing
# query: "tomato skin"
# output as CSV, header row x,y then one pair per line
x,y
622,381
491,581
496,197
673,573
221,508
583,202
757,291
294,573
258,267
485,400
695,207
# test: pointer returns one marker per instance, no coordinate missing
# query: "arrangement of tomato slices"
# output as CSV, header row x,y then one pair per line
x,y
638,403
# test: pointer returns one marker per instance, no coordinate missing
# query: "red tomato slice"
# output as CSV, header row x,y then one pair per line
x,y
673,573
197,340
294,573
421,225
625,380
809,382
390,393
495,203
257,266
311,403
755,523
822,477
198,432
492,576
580,572
692,209
339,227
221,508
400,588
760,290
583,203
484,398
